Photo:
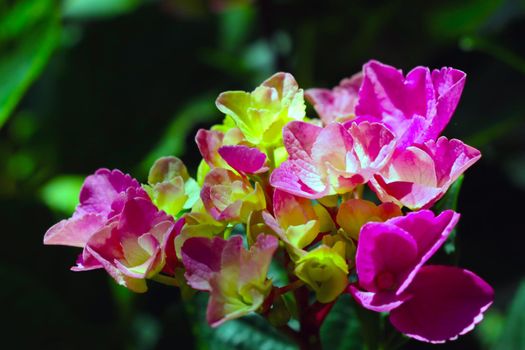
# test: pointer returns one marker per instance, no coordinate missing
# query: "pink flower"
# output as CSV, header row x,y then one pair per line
x,y
429,303
235,277
101,198
419,175
338,104
222,150
333,159
135,246
416,107
230,197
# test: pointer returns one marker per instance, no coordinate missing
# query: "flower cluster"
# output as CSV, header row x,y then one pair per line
x,y
276,186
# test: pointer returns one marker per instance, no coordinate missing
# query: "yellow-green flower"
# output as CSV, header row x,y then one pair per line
x,y
325,270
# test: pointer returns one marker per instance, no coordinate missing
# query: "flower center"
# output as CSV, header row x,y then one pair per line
x,y
385,280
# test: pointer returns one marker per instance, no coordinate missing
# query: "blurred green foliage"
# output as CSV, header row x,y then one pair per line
x,y
118,83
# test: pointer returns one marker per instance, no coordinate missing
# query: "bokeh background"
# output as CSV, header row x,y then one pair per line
x,y
86,84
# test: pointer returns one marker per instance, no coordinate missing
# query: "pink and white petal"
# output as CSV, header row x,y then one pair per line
x,y
76,231
299,138
331,147
298,178
202,258
448,86
373,144
411,195
379,302
412,165
445,302
244,159
451,159
323,101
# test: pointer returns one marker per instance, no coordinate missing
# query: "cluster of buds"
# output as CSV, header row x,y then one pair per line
x,y
277,187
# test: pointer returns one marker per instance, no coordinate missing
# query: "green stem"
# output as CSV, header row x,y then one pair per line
x,y
166,280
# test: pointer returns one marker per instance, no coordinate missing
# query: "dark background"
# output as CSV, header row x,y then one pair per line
x,y
86,84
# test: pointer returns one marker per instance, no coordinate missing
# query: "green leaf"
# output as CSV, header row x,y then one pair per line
x,y
513,334
35,33
341,329
61,193
450,201
462,17
82,9
246,333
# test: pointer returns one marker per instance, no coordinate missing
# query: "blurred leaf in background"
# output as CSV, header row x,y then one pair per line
x,y
29,32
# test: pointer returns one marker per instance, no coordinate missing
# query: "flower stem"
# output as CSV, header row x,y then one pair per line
x,y
166,280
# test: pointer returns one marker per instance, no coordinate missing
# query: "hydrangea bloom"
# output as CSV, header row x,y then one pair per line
x,y
390,264
421,174
102,199
235,278
296,188
338,104
333,159
416,107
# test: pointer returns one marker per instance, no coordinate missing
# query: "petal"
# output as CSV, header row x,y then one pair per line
x,y
299,178
209,142
446,302
202,258
299,138
339,103
245,160
331,147
373,146
451,159
292,210
429,233
354,213
139,216
76,231
101,189
379,302
386,254
448,85
167,168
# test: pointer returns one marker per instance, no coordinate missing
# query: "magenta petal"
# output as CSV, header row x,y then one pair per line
x,y
386,254
139,216
429,232
244,159
448,84
451,159
101,189
446,302
416,107
379,302
169,247
201,257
